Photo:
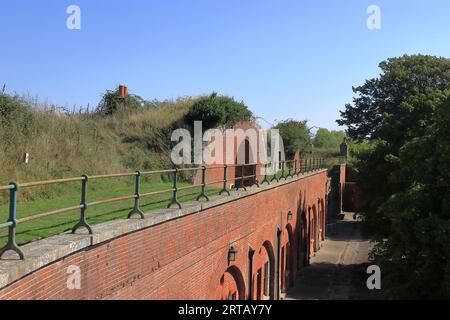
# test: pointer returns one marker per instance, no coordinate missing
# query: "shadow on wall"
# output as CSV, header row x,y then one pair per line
x,y
352,200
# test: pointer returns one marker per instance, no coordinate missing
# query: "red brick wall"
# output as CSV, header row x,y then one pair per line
x,y
186,258
215,172
353,198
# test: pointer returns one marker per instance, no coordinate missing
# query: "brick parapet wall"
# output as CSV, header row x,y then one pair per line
x,y
172,254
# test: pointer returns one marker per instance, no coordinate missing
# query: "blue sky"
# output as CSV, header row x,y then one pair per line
x,y
286,59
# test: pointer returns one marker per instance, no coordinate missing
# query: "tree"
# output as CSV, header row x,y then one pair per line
x,y
296,136
385,102
404,174
215,110
416,255
325,138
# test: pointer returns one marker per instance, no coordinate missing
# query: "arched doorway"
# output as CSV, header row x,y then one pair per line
x,y
311,232
265,273
302,241
289,273
232,284
316,227
323,219
244,155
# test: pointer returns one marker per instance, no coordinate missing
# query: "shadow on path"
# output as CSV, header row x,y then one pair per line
x,y
338,270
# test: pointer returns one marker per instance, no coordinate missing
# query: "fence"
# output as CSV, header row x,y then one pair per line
x,y
289,169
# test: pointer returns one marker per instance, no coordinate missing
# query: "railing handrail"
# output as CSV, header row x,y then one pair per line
x,y
295,167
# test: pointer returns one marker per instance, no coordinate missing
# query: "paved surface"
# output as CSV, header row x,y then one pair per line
x,y
338,271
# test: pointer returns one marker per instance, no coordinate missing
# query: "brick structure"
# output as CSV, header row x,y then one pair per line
x,y
183,254
215,171
353,198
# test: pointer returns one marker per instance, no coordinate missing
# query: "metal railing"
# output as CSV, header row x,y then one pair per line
x,y
289,169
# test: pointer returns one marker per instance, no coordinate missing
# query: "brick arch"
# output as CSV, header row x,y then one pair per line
x,y
302,244
232,284
264,272
249,154
311,231
290,254
321,205
315,228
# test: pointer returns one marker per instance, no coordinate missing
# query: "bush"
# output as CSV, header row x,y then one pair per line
x,y
15,120
113,102
217,110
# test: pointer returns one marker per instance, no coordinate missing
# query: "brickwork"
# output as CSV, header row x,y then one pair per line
x,y
187,257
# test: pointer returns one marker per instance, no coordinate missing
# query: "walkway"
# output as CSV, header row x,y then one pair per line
x,y
338,271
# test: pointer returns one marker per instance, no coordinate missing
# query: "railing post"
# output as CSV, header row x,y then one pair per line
x,y
225,179
203,193
265,180
83,204
290,170
275,178
12,245
255,177
174,200
295,168
137,194
242,180
283,164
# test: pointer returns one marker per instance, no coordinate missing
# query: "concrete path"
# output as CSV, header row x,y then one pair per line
x,y
338,271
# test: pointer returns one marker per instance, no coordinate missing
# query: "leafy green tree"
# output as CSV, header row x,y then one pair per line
x,y
296,136
325,138
415,257
215,110
404,117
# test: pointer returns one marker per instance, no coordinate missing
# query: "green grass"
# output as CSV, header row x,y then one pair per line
x,y
68,195
97,190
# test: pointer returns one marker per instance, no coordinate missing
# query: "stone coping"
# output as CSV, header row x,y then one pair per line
x,y
41,253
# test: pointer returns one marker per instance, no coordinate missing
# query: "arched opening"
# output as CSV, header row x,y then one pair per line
x,y
316,228
323,224
268,273
303,241
232,284
311,232
265,274
244,154
289,274
325,217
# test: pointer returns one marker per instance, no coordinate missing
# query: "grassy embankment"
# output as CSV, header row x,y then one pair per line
x,y
69,145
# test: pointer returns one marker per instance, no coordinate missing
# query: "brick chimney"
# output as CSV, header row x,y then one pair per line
x,y
123,90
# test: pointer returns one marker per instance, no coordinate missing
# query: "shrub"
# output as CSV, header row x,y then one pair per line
x,y
217,110
113,102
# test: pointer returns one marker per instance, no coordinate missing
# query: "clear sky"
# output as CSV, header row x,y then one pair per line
x,y
286,59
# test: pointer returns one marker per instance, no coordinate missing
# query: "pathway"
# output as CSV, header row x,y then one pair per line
x,y
338,271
